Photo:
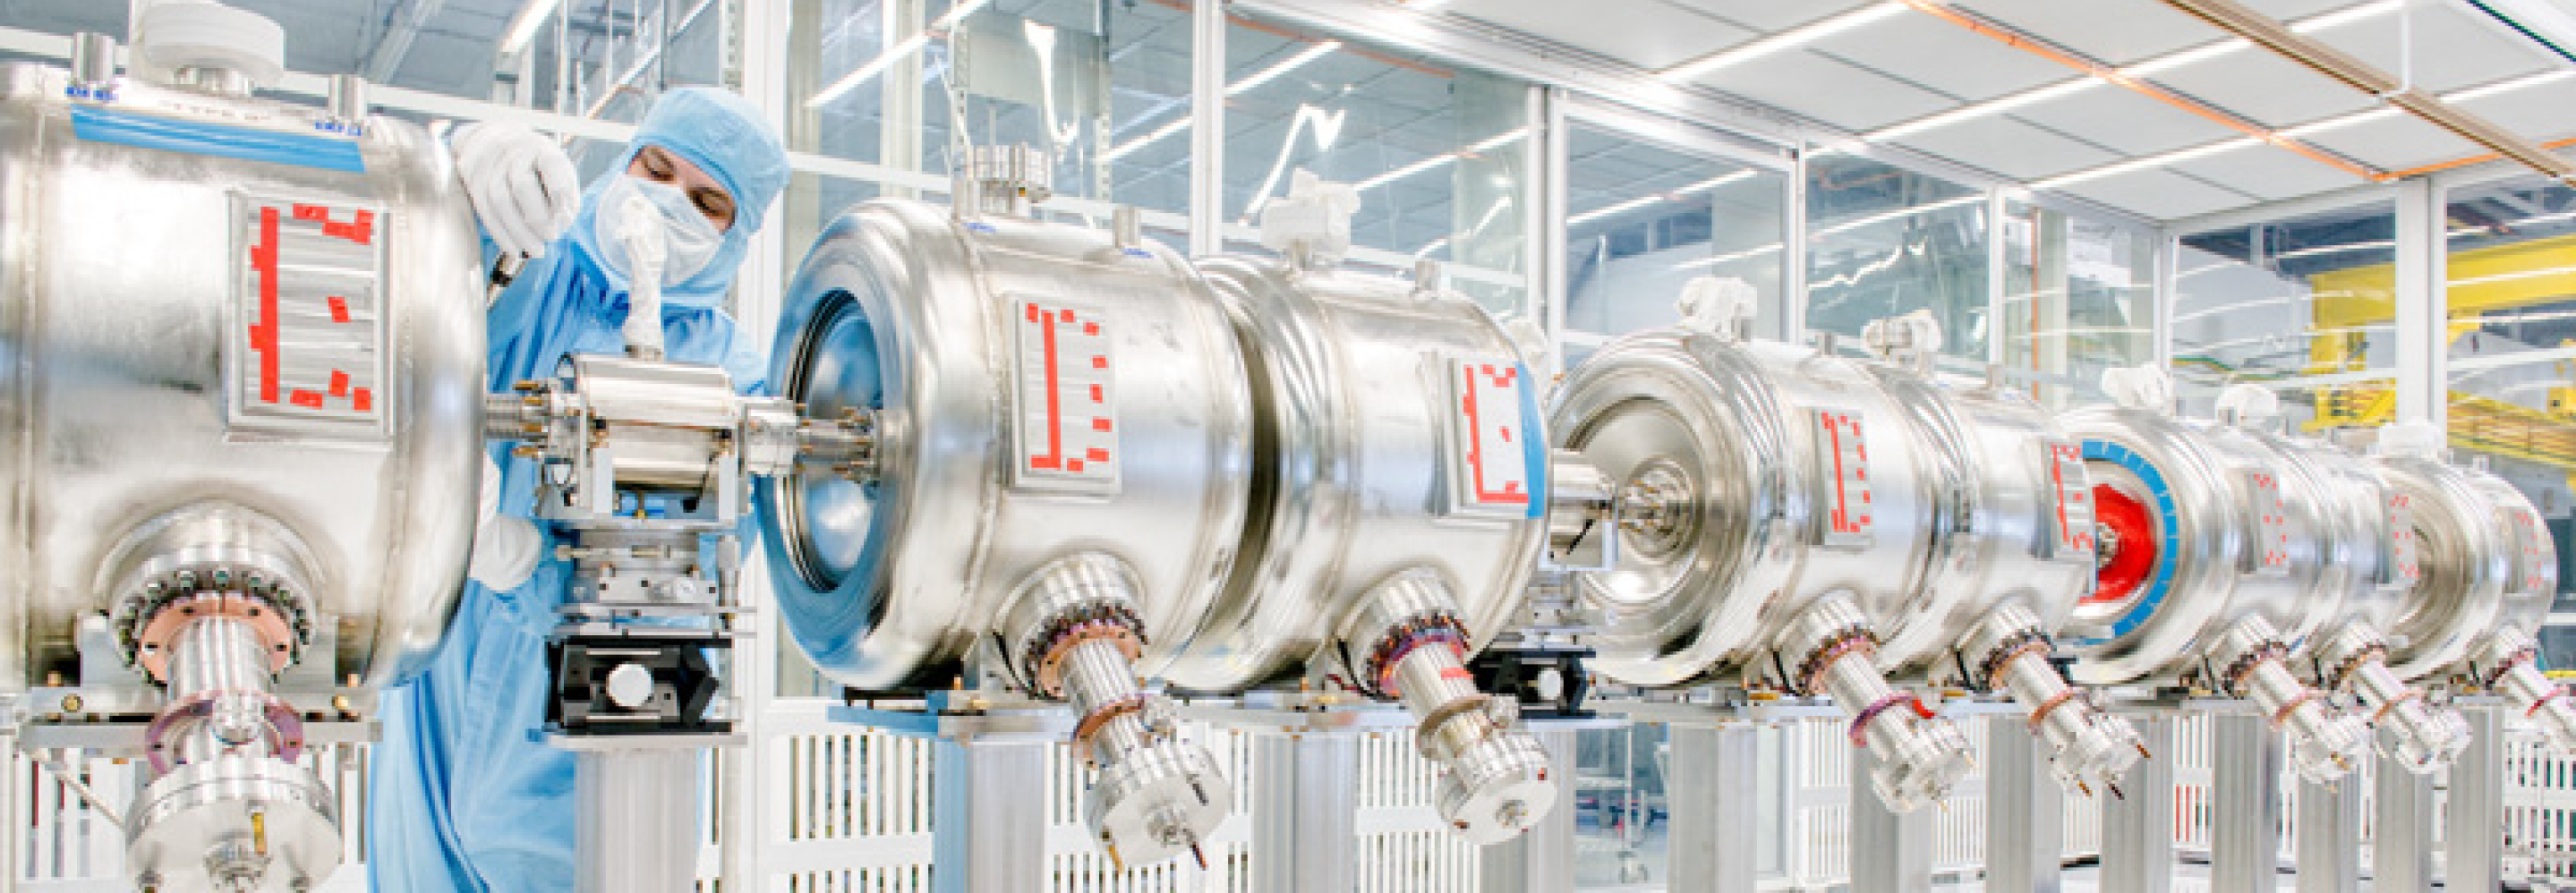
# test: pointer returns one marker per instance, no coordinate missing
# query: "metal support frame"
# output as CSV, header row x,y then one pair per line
x,y
2473,840
2401,830
2423,327
987,836
2137,830
1716,772
636,819
1541,860
2245,803
1793,256
1544,225
2025,811
1207,129
1305,820
2328,836
1891,852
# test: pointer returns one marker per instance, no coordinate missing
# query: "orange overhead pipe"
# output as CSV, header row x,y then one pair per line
x,y
1943,11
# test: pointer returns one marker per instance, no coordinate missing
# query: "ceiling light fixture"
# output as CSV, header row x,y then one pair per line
x,y
1259,78
1783,40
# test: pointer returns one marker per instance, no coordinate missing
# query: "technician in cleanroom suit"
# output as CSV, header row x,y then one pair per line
x,y
464,796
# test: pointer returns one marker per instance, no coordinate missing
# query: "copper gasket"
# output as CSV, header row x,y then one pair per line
x,y
1860,723
2002,659
2070,693
2382,713
1049,668
1401,641
2283,715
152,645
1093,721
1849,643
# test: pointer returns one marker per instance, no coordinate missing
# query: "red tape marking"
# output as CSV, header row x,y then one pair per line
x,y
1100,424
339,383
263,334
306,399
363,401
339,309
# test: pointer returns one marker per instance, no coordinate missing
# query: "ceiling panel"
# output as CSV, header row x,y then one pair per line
x,y
1765,15
2124,121
1943,57
2114,31
2395,143
2451,49
2269,172
2159,193
2540,112
2266,88
2009,147
2288,10
1826,90
1648,33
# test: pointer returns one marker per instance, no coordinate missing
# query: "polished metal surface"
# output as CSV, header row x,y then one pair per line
x,y
922,321
235,824
131,282
1362,469
640,813
1764,487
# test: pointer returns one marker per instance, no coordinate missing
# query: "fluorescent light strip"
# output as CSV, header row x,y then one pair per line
x,y
2345,248
2509,277
893,54
1122,150
1643,201
2148,68
1723,259
1899,214
1783,40
523,27
1498,141
2138,164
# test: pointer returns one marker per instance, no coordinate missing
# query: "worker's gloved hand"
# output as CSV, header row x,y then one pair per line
x,y
505,546
524,188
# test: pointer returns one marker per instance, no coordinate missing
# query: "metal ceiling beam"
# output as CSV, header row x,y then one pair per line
x,y
2322,58
387,58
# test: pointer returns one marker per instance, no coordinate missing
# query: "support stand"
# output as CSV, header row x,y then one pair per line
x,y
2137,830
2329,835
987,761
2474,839
1716,808
2401,848
1541,860
987,837
1305,823
636,815
2025,811
1891,851
2245,804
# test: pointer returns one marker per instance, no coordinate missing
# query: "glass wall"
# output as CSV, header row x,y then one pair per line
x,y
2291,304
1438,153
1884,241
1646,219
2078,298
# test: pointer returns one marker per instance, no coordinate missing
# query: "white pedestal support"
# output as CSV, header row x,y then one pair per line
x,y
2329,836
1541,860
1891,851
2025,810
2137,830
2474,839
1305,821
636,829
2245,804
2401,834
989,829
1715,796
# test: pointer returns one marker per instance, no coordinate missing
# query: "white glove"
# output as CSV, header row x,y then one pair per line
x,y
505,547
524,188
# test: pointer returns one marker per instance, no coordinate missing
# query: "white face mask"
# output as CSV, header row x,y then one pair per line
x,y
632,208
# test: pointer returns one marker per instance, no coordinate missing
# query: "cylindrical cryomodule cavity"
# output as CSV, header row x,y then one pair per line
x,y
2420,735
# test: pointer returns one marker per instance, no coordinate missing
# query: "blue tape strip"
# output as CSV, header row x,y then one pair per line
x,y
2169,532
218,140
1533,447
